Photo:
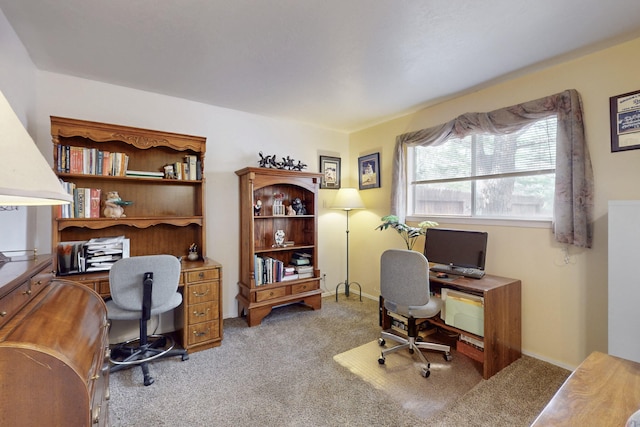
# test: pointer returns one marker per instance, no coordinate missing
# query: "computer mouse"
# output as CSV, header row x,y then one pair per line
x,y
442,275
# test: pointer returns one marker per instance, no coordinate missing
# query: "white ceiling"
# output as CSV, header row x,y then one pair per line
x,y
340,64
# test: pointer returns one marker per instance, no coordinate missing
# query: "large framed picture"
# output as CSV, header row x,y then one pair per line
x,y
369,171
625,121
330,170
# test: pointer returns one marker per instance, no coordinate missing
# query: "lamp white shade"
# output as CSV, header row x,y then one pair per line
x,y
26,178
347,199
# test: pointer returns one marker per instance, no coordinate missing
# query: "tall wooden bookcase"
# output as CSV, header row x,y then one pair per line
x,y
167,216
256,298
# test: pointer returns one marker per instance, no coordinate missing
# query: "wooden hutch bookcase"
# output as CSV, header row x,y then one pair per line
x,y
167,216
258,228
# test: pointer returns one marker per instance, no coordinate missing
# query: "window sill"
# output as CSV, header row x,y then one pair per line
x,y
499,222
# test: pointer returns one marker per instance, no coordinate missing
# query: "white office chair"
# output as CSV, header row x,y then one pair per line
x,y
404,285
140,287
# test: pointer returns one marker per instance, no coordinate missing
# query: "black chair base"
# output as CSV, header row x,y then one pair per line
x,y
141,352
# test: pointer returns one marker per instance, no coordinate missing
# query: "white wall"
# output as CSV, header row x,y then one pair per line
x,y
17,76
234,140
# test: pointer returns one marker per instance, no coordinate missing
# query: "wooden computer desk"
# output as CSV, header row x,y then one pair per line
x,y
502,319
603,391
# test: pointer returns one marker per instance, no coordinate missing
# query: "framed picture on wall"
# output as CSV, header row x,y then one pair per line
x,y
369,171
625,121
330,170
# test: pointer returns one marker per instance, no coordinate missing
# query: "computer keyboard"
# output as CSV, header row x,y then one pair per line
x,y
473,273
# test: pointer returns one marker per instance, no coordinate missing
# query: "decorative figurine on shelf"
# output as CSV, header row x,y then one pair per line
x,y
114,205
257,207
290,211
298,207
277,208
279,239
193,253
287,163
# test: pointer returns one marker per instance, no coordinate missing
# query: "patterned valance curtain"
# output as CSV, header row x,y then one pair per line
x,y
573,204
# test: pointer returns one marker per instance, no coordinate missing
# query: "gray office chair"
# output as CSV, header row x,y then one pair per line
x,y
140,287
404,285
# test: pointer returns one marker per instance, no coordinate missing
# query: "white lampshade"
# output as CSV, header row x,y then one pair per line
x,y
347,199
26,178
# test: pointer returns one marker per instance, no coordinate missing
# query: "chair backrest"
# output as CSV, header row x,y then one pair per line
x,y
404,277
127,274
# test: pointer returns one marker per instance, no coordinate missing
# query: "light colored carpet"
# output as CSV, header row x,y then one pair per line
x,y
400,377
283,373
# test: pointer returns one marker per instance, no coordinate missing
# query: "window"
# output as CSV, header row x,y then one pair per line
x,y
504,176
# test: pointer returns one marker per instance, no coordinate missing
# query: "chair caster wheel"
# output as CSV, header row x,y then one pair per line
x,y
381,342
426,372
448,357
185,357
410,351
148,380
381,360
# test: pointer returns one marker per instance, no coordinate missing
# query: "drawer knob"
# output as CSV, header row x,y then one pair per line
x,y
201,294
201,275
201,334
3,313
27,292
96,415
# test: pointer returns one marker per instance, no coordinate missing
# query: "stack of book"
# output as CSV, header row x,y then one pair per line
x,y
301,262
85,203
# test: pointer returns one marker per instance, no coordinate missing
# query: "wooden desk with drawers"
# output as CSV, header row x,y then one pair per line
x,y
200,320
502,319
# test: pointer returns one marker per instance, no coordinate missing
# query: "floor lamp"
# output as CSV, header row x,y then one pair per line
x,y
348,199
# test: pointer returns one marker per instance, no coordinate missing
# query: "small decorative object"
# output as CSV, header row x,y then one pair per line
x,y
369,171
169,173
114,205
409,234
298,207
257,207
287,163
193,253
279,238
290,211
278,206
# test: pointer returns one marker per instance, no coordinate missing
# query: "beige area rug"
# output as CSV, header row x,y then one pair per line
x,y
400,377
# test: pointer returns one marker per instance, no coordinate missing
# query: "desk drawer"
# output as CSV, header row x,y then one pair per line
x,y
202,332
202,292
304,287
14,301
202,275
270,293
202,312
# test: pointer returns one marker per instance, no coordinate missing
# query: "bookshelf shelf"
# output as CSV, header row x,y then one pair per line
x,y
166,216
264,282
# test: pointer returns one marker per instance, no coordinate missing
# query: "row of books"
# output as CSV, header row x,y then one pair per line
x,y
87,256
270,270
189,169
85,203
91,161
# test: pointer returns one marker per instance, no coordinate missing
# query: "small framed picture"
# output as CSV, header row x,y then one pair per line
x,y
369,171
330,170
625,121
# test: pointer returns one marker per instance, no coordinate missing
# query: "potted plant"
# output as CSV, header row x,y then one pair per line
x,y
408,233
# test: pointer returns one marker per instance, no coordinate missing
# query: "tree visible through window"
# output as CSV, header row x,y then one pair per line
x,y
507,176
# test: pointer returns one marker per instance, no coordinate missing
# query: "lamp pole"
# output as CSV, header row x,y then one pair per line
x,y
346,283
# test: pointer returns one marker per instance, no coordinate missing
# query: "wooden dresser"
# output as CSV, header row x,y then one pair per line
x,y
53,349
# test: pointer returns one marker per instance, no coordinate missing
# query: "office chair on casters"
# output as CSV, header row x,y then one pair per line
x,y
143,286
404,285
